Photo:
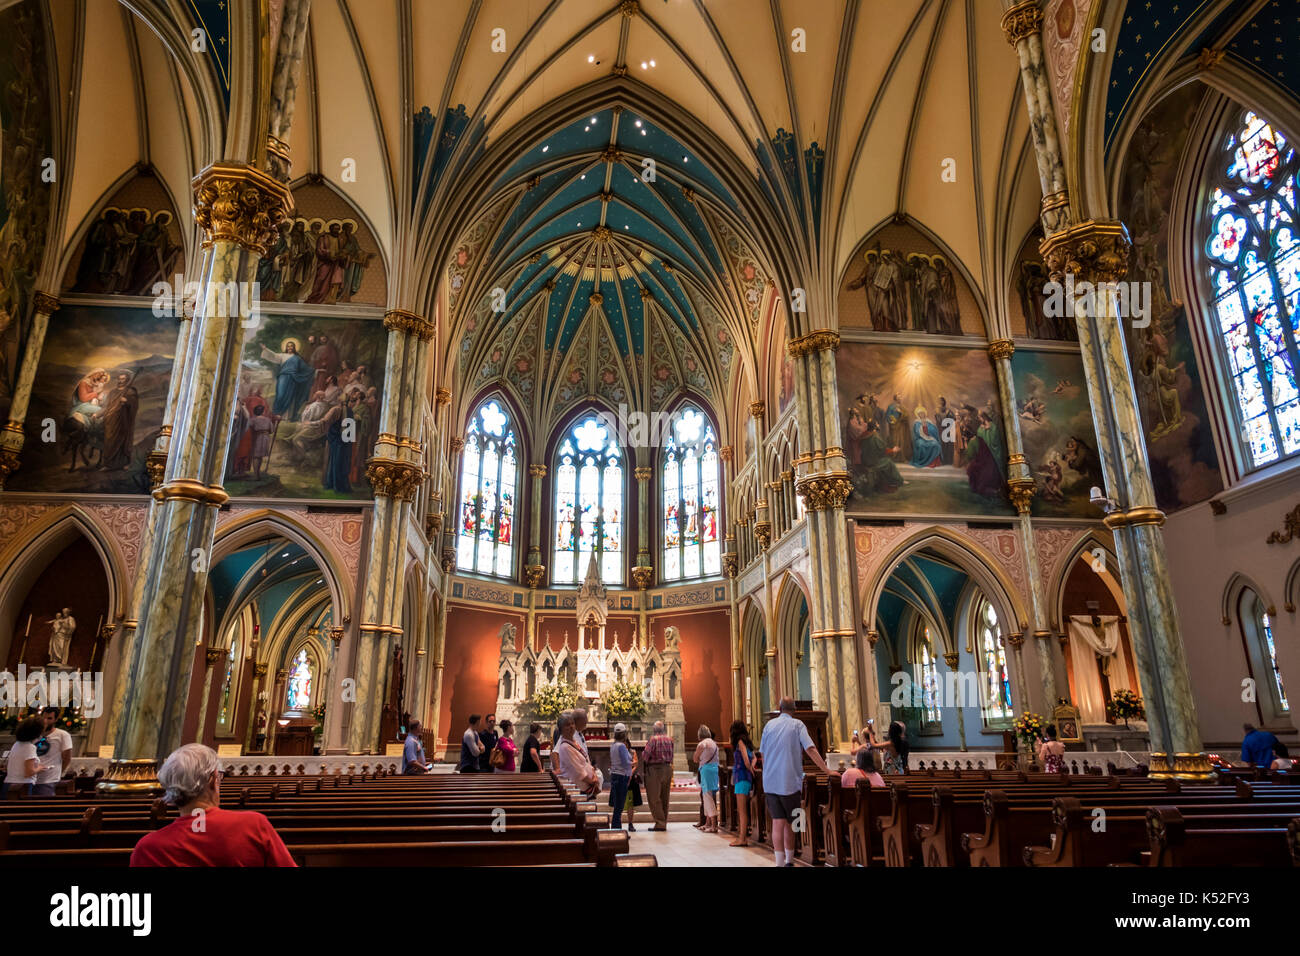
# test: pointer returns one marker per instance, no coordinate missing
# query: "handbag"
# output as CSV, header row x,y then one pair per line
x,y
497,758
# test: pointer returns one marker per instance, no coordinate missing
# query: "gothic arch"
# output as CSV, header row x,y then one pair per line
x,y
27,555
979,565
793,612
254,526
1086,545
1231,599
1290,587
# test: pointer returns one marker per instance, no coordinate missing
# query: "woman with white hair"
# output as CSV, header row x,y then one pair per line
x,y
204,834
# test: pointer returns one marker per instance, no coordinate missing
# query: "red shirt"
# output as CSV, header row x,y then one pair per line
x,y
227,838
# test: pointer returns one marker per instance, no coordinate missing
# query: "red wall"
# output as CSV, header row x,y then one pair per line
x,y
706,667
469,679
469,676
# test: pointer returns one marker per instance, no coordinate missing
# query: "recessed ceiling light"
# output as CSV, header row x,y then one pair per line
x,y
642,132
685,159
593,120
643,64
652,62
591,58
545,148
638,124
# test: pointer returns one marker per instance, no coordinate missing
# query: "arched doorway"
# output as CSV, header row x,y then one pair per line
x,y
755,679
1098,651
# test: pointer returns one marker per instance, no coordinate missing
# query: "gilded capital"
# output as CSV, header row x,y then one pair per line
x,y
260,668
1095,250
1021,492
433,525
442,395
400,320
643,473
9,462
213,655
336,634
817,341
726,453
391,478
241,205
155,464
457,444
534,574
951,660
763,532
1022,20
730,564
643,576
537,471
824,492
756,409
1001,349
45,302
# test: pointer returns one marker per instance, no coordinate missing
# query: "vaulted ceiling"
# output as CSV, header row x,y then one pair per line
x,y
495,144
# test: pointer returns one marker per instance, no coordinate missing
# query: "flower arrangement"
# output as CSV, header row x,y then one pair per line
x,y
624,701
69,719
1028,728
549,700
318,715
1125,705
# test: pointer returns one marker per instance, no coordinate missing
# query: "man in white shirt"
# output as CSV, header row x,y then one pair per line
x,y
572,759
54,749
785,741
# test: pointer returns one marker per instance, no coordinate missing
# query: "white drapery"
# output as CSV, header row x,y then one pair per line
x,y
1092,649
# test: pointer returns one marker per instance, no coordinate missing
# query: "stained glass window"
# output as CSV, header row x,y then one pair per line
x,y
1255,274
691,544
928,678
488,485
300,683
1265,629
588,503
995,685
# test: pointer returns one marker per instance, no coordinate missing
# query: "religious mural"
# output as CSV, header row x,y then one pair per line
x,y
1057,431
922,430
97,401
133,243
307,415
323,256
25,141
1029,278
898,281
1170,391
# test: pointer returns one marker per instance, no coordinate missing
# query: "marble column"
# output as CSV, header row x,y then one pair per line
x,y
212,656
12,437
1097,252
823,482
643,574
239,209
456,446
535,570
1022,24
333,693
395,472
1021,488
292,42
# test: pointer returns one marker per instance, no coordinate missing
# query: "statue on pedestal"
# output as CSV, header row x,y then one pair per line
x,y
62,628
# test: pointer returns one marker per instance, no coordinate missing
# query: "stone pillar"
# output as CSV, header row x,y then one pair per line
x,y
823,482
212,656
284,84
1021,488
333,729
1097,251
239,209
12,436
395,473
1022,24
762,514
643,575
456,446
535,571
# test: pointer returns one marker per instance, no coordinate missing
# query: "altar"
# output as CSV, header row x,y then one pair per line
x,y
595,668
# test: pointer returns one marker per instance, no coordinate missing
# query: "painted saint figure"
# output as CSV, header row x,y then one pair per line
x,y
292,382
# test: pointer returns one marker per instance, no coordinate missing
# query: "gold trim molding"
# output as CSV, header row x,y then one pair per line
x,y
1095,250
240,204
1021,21
45,302
1290,528
1133,518
643,575
817,341
400,320
187,489
824,492
394,479
1000,349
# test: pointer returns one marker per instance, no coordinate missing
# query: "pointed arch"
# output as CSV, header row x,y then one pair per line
x,y
256,525
1106,565
970,557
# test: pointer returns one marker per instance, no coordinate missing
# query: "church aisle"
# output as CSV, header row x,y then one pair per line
x,y
683,845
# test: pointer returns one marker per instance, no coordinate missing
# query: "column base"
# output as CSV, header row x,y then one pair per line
x,y
1192,767
131,778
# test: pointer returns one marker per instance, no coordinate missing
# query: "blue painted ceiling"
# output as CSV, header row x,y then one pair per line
x,y
1269,44
272,567
591,221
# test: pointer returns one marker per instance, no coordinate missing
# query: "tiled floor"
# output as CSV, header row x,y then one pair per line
x,y
683,845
